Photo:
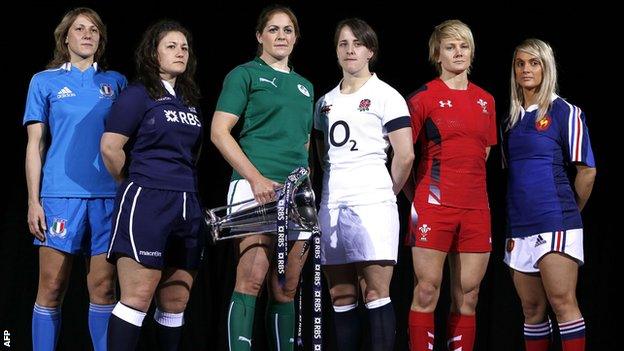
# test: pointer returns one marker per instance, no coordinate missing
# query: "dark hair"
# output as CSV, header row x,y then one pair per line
x,y
61,52
363,32
266,15
148,67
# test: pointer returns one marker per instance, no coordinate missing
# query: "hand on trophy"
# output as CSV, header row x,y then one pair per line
x,y
264,189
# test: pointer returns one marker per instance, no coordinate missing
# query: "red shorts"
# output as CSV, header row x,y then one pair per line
x,y
450,229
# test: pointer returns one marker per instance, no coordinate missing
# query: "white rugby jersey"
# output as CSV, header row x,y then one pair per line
x,y
355,128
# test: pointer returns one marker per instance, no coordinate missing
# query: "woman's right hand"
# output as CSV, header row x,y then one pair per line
x,y
263,189
36,221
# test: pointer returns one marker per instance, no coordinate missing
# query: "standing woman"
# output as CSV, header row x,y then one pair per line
x,y
545,137
69,210
275,106
156,241
358,120
455,121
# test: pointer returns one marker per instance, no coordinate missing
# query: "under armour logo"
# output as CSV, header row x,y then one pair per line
x,y
242,338
483,105
272,82
172,116
446,103
454,340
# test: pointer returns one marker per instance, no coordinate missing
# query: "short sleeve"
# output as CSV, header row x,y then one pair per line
x,y
235,92
127,112
37,103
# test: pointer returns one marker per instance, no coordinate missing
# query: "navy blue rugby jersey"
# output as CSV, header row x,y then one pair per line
x,y
165,138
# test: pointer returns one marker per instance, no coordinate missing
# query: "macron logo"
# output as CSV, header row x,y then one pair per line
x,y
65,92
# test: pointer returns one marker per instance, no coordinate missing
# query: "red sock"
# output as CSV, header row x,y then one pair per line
x,y
460,333
537,336
573,335
421,331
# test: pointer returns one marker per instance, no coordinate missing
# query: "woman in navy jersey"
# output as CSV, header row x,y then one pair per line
x,y
70,194
156,224
545,137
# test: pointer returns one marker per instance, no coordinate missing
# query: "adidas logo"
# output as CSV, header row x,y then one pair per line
x,y
65,92
539,241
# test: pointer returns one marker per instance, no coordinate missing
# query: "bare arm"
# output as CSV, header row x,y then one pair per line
x,y
111,147
487,152
221,136
401,141
583,184
35,152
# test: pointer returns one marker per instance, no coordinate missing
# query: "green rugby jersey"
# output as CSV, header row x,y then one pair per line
x,y
276,110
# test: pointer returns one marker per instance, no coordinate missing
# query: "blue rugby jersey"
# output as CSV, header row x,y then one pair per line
x,y
165,137
540,197
74,105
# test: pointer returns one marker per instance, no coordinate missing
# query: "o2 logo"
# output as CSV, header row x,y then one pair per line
x,y
347,134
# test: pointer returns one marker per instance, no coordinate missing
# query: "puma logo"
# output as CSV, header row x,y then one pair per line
x,y
272,82
242,338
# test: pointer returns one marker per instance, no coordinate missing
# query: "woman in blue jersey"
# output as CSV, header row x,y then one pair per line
x,y
156,240
70,194
274,104
356,123
545,137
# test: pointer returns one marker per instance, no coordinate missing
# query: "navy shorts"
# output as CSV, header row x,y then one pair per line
x,y
157,228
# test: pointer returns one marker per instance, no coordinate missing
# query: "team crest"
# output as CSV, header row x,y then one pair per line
x,y
325,109
59,228
106,90
510,245
543,123
424,231
303,90
483,105
364,105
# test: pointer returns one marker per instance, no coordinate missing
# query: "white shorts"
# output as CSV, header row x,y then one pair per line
x,y
359,233
524,254
240,190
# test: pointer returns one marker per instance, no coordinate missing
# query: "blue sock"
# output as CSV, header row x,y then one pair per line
x,y
46,324
124,328
382,324
98,324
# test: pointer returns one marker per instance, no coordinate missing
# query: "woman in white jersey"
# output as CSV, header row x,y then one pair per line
x,y
358,120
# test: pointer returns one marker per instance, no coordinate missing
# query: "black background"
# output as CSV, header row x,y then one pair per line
x,y
586,48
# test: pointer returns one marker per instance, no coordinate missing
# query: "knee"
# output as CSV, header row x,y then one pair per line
x,y
467,302
50,291
425,294
138,298
372,294
102,290
250,285
342,296
173,304
534,310
563,303
287,292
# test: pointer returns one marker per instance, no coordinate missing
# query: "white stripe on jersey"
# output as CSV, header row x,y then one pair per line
x,y
575,133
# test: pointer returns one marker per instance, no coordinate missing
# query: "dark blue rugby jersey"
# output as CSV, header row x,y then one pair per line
x,y
165,137
540,197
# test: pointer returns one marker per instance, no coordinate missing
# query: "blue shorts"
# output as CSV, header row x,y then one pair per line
x,y
77,225
157,228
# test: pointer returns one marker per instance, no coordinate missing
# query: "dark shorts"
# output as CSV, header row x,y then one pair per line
x,y
157,228
450,229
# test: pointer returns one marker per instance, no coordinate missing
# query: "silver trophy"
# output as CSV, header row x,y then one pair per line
x,y
261,219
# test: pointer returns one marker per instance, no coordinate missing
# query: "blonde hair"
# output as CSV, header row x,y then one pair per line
x,y
544,53
449,29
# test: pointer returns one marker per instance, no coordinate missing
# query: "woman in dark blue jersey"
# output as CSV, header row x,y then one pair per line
x,y
156,224
545,137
